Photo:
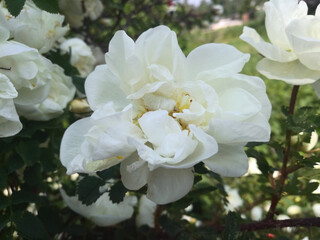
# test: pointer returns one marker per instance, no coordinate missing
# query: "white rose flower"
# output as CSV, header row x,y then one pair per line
x,y
146,212
159,113
103,212
37,28
81,55
61,92
27,70
282,56
76,10
9,119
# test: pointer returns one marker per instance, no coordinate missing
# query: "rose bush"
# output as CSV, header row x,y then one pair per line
x,y
160,113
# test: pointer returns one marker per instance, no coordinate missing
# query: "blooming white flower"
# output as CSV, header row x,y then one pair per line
x,y
146,212
27,70
103,212
61,92
81,55
287,26
159,113
37,28
234,199
9,120
76,10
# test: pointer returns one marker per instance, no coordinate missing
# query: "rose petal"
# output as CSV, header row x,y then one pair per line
x,y
230,161
293,72
169,185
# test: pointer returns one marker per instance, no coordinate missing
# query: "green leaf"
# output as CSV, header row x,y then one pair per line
x,y
88,189
24,197
232,227
29,152
51,219
261,161
30,226
15,6
33,176
109,173
200,168
79,83
50,6
14,163
4,202
3,178
117,192
4,219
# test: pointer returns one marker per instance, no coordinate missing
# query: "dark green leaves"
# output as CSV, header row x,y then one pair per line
x,y
30,227
15,6
50,6
88,189
117,192
232,227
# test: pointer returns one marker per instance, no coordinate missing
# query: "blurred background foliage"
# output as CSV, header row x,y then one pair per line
x,y
31,174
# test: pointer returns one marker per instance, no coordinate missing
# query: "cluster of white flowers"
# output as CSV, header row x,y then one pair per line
x,y
293,54
77,10
158,113
31,85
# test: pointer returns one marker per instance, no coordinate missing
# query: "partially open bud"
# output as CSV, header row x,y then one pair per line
x,y
79,106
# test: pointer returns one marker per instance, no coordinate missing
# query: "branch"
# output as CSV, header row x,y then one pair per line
x,y
271,224
276,196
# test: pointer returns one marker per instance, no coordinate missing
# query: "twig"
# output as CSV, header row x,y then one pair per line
x,y
271,224
276,196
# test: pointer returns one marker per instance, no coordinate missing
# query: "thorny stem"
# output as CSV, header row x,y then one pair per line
x,y
283,171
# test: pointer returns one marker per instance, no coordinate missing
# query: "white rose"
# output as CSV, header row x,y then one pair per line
x,y
103,212
76,10
61,92
81,55
159,113
9,120
27,70
37,28
282,58
294,210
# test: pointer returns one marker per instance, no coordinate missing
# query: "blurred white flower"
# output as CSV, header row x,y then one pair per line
x,y
146,212
103,212
316,209
253,167
37,28
306,146
256,213
317,191
81,55
60,94
76,10
159,113
285,217
294,210
292,55
235,201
